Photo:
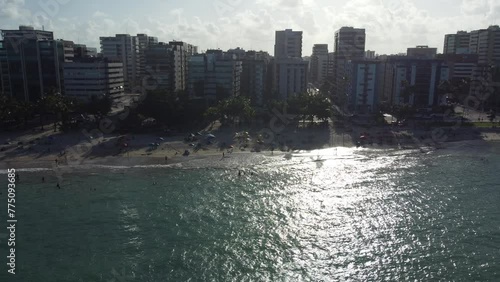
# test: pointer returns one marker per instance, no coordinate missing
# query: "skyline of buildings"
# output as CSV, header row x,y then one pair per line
x,y
32,64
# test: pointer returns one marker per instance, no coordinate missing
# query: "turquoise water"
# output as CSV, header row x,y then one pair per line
x,y
361,215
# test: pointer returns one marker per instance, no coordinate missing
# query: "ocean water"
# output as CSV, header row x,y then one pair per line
x,y
331,215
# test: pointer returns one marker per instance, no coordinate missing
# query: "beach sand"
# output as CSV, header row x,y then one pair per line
x,y
46,149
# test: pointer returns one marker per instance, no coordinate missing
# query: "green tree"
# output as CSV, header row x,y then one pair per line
x,y
232,109
99,106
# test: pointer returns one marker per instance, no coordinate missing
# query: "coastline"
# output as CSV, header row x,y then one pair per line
x,y
67,148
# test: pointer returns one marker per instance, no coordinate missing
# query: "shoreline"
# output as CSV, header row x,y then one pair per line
x,y
106,153
121,162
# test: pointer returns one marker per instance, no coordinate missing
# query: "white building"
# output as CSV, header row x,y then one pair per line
x,y
290,69
130,51
93,77
291,77
363,85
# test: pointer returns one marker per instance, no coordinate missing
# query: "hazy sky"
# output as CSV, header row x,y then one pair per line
x,y
391,25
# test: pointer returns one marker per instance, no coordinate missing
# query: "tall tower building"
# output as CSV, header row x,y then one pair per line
x,y
319,64
288,44
485,81
123,48
31,63
458,43
290,77
130,51
349,45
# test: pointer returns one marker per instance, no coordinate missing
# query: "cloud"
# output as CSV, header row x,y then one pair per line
x,y
391,25
99,14
12,9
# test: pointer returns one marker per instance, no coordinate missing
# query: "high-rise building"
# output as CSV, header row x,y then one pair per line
x,y
185,52
214,76
163,65
288,44
93,77
370,54
413,81
319,64
364,89
82,51
290,77
458,43
461,66
349,45
238,52
485,81
255,79
422,52
130,51
31,63
124,48
143,42
486,44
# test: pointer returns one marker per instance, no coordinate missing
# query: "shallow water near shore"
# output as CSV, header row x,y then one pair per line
x,y
328,215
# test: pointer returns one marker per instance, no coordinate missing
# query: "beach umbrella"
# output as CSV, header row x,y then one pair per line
x,y
161,139
210,136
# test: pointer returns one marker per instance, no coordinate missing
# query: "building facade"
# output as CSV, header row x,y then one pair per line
x,y
290,70
422,52
288,44
162,63
214,76
413,81
185,52
319,64
255,80
31,63
130,51
93,77
458,43
364,85
369,54
349,45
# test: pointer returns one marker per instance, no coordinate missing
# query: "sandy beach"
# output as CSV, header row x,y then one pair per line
x,y
48,149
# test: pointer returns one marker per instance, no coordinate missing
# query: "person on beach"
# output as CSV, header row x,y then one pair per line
x,y
58,186
239,173
166,159
43,179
